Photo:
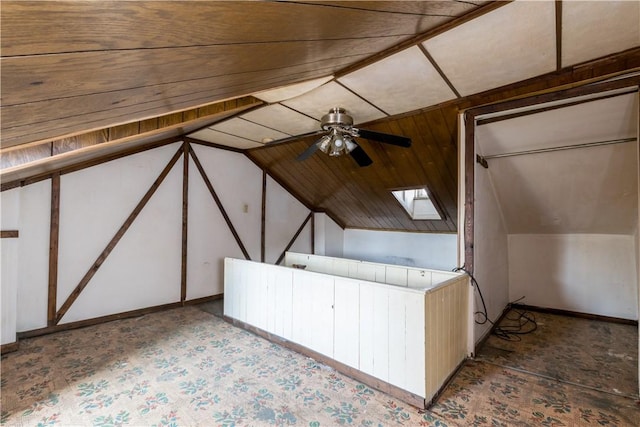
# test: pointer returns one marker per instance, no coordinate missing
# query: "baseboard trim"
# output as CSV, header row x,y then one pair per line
x,y
575,314
10,347
487,334
356,374
112,317
203,299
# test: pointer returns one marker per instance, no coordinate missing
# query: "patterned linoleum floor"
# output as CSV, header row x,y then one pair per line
x,y
186,367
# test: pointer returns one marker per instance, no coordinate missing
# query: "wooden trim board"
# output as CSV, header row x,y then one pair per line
x,y
117,316
10,347
578,314
9,234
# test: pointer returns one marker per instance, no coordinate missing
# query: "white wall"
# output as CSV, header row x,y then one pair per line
x,y
428,250
329,237
577,272
490,263
33,256
284,216
144,268
9,247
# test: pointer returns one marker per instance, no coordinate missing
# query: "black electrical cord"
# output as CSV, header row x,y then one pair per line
x,y
525,322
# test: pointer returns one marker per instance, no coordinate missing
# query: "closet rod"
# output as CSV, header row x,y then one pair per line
x,y
564,147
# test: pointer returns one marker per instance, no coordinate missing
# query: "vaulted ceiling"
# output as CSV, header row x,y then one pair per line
x,y
83,80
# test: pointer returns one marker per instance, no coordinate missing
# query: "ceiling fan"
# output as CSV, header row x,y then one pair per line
x,y
340,134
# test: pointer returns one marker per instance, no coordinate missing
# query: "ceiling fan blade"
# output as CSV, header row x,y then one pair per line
x,y
361,158
401,141
308,152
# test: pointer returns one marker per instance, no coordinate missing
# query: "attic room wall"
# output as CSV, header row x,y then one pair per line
x,y
428,250
491,259
329,237
143,270
570,214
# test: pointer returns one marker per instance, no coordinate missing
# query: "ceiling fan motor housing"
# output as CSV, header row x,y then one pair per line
x,y
337,117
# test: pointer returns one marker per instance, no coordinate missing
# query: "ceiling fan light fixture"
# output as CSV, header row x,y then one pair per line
x,y
337,143
350,145
324,143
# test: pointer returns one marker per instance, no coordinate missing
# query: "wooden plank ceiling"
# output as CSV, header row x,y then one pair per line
x,y
80,74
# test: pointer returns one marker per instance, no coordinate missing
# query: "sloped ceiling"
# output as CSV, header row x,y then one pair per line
x,y
71,68
583,188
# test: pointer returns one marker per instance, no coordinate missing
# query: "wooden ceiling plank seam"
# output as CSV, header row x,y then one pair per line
x,y
444,77
191,26
415,175
344,198
392,174
373,202
161,93
445,143
157,107
280,182
435,178
32,79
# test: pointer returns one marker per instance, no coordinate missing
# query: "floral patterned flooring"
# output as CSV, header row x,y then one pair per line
x,y
186,367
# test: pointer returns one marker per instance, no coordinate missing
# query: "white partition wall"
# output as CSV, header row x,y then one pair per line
x,y
410,338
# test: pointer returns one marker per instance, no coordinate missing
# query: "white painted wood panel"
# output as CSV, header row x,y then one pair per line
x,y
9,250
418,278
284,296
381,330
33,259
347,321
411,338
396,276
415,344
9,288
397,339
369,337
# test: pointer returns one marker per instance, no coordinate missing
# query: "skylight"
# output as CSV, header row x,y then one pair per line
x,y
417,203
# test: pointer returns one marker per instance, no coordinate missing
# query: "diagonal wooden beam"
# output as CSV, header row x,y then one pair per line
x,y
293,239
219,203
114,241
